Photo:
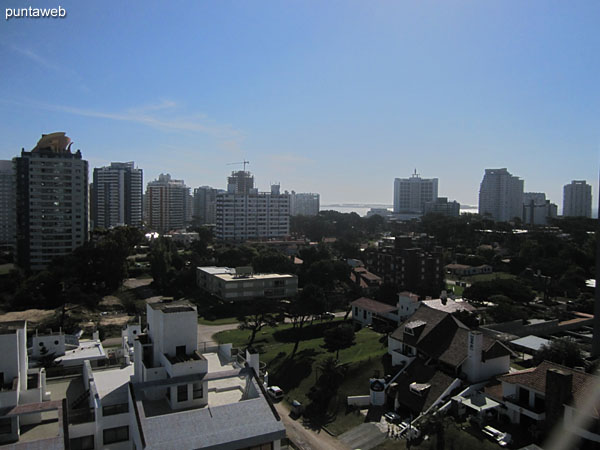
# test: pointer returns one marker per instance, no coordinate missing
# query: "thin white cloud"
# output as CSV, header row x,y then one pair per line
x,y
38,59
163,116
49,64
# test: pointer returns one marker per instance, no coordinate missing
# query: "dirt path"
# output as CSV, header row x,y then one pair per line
x,y
305,438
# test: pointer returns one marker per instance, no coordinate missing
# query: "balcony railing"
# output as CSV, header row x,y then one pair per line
x,y
515,400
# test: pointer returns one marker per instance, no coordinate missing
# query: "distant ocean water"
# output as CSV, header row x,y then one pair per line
x,y
362,209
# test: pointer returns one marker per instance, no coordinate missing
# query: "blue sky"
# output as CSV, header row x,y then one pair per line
x,y
336,97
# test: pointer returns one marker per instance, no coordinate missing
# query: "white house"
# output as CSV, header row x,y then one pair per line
x,y
171,396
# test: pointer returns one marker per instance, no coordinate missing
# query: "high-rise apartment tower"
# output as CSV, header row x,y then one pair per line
x,y
167,204
501,195
52,201
577,199
8,219
117,195
411,194
244,213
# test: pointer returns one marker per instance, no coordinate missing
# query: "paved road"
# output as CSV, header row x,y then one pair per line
x,y
305,438
206,332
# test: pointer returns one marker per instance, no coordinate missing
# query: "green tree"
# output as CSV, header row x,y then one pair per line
x,y
161,263
565,351
516,290
260,314
272,261
331,376
308,303
339,338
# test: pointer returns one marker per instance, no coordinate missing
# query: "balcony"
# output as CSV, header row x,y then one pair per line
x,y
537,411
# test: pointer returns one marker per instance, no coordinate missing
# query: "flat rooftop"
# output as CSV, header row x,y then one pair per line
x,y
113,382
169,306
86,350
47,429
65,387
214,270
256,276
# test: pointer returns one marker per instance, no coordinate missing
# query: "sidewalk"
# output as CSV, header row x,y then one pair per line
x,y
305,438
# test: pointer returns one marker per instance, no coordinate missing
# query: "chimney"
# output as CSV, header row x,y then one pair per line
x,y
559,385
472,366
444,297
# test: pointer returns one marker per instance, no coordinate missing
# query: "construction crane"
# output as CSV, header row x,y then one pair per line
x,y
242,162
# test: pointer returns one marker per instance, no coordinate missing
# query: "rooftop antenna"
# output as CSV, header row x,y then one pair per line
x,y
244,162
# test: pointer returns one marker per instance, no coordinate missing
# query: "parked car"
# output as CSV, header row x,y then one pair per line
x,y
392,417
275,392
327,316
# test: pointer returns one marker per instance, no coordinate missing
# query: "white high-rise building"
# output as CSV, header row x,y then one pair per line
x,y
501,195
244,213
52,201
577,199
304,204
205,205
8,220
117,195
536,209
167,204
411,194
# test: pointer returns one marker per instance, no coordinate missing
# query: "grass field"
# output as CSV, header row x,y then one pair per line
x,y
6,268
296,376
488,277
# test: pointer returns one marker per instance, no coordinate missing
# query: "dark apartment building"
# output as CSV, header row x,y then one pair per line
x,y
412,268
52,201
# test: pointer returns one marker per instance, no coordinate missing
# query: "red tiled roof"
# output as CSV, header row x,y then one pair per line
x,y
535,379
373,305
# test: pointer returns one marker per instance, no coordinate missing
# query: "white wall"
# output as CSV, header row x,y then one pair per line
x,y
52,343
9,363
570,424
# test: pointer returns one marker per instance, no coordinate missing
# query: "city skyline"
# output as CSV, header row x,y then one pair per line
x,y
338,99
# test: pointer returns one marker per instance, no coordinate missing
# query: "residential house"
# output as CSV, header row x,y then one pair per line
x,y
439,337
172,396
543,395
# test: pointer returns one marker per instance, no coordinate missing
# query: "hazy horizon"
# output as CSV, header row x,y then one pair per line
x,y
337,98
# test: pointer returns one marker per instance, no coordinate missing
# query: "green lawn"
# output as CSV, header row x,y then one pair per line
x,y
489,276
458,290
296,376
6,268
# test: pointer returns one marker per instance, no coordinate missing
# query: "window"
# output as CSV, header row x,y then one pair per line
x,y
5,426
182,393
111,410
268,446
82,443
198,392
118,434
